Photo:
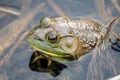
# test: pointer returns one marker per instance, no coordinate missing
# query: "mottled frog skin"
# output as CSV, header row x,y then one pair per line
x,y
66,39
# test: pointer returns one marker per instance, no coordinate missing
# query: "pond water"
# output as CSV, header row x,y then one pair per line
x,y
18,17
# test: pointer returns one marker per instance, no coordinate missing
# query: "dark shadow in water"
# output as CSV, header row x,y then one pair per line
x,y
115,45
40,63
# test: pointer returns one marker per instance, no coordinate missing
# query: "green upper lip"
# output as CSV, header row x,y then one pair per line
x,y
47,50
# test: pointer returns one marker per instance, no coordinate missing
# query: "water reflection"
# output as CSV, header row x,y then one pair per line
x,y
41,63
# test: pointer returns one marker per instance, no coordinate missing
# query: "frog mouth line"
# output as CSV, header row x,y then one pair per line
x,y
53,55
50,52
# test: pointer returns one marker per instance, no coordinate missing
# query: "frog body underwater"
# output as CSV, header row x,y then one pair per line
x,y
65,39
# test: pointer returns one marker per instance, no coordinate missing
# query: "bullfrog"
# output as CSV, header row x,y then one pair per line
x,y
63,39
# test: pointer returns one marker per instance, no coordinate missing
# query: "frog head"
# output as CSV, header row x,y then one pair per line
x,y
53,38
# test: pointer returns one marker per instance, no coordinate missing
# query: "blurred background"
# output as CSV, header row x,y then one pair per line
x,y
18,17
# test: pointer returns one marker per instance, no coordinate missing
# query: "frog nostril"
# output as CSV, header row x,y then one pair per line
x,y
38,38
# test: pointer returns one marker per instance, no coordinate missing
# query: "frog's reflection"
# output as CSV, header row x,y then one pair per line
x,y
40,63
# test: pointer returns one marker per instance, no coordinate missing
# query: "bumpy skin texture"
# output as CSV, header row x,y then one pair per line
x,y
76,36
88,32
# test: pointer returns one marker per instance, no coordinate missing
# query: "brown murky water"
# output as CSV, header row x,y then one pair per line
x,y
20,16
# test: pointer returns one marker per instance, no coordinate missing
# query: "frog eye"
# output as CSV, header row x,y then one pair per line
x,y
52,37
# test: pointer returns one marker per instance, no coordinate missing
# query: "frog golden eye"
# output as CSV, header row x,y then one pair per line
x,y
52,37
